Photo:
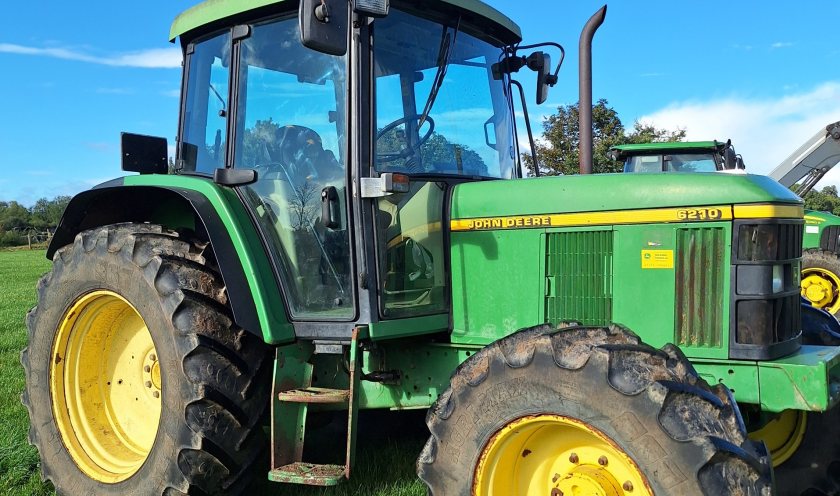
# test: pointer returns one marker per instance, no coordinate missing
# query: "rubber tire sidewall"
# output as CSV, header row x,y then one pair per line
x,y
112,273
631,421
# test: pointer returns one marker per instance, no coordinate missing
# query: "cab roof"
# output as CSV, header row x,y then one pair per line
x,y
211,11
669,146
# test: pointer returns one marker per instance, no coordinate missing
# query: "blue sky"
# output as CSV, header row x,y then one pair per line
x,y
766,74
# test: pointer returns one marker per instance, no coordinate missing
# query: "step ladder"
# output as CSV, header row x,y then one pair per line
x,y
292,395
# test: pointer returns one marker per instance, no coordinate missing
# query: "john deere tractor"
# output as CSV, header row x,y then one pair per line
x,y
345,228
801,171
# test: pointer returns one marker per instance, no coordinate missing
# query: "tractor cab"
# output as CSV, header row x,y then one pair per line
x,y
309,131
700,156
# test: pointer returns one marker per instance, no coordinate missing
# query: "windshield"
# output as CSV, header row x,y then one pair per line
x,y
677,162
426,69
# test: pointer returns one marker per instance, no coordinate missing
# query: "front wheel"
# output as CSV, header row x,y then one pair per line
x,y
820,280
586,410
137,380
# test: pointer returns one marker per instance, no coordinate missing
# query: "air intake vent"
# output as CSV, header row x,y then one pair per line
x,y
578,269
699,286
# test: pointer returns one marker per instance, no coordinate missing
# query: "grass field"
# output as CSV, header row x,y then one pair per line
x,y
385,465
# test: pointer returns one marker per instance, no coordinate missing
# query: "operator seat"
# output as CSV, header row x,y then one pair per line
x,y
301,151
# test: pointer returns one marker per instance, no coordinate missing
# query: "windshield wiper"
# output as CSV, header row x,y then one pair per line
x,y
444,52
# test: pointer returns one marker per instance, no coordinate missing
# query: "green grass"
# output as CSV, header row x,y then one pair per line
x,y
385,462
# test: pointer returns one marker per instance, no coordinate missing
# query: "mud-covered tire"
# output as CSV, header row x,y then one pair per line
x,y
685,437
814,469
826,264
215,376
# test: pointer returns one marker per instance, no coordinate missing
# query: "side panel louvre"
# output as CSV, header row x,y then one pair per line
x,y
699,266
579,275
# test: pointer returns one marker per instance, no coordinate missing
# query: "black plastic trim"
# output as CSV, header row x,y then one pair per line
x,y
768,351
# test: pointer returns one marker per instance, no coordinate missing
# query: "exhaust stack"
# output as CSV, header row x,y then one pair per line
x,y
585,88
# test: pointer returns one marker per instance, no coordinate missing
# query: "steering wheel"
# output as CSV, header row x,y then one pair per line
x,y
409,151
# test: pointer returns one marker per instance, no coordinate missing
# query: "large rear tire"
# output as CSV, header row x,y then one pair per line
x,y
593,410
137,379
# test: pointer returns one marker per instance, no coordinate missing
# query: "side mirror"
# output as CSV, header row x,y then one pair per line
x,y
540,62
739,163
323,25
144,154
730,160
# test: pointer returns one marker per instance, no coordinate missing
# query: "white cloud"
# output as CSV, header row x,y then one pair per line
x,y
764,131
781,44
155,58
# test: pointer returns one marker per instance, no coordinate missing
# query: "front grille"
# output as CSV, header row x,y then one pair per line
x,y
766,319
830,239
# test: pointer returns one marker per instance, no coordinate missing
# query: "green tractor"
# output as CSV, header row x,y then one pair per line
x,y
345,229
801,171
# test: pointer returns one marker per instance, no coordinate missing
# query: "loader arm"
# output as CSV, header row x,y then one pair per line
x,y
811,161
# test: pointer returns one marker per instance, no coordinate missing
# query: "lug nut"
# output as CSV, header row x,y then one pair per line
x,y
603,461
148,384
155,394
573,458
627,486
152,357
147,369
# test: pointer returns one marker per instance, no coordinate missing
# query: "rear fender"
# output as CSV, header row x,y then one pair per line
x,y
179,208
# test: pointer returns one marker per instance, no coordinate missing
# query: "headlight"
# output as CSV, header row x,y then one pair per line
x,y
758,242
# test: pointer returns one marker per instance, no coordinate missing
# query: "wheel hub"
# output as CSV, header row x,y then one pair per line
x,y
553,455
588,481
821,287
783,435
105,384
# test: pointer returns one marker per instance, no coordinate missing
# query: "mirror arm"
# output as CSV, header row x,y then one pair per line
x,y
528,127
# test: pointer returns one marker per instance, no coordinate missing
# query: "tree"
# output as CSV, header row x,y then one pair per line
x,y
825,200
47,213
559,151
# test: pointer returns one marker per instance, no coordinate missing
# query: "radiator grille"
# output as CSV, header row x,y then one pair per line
x,y
579,277
699,286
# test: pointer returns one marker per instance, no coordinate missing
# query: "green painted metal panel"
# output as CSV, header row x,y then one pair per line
x,y
578,274
815,223
246,242
599,192
498,283
801,381
700,272
214,10
740,377
400,328
660,300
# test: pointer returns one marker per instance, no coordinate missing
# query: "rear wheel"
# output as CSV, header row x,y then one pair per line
x,y
586,411
820,283
137,380
809,442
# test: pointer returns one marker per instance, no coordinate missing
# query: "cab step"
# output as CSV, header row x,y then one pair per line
x,y
308,473
315,395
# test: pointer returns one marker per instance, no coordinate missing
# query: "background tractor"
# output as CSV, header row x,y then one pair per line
x,y
801,171
345,228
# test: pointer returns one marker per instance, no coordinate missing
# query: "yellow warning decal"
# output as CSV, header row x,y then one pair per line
x,y
657,259
642,216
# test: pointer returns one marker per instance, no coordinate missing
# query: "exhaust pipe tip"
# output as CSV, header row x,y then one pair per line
x,y
585,89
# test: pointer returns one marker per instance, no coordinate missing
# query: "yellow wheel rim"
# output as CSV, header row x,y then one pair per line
x,y
550,455
783,435
106,386
822,288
